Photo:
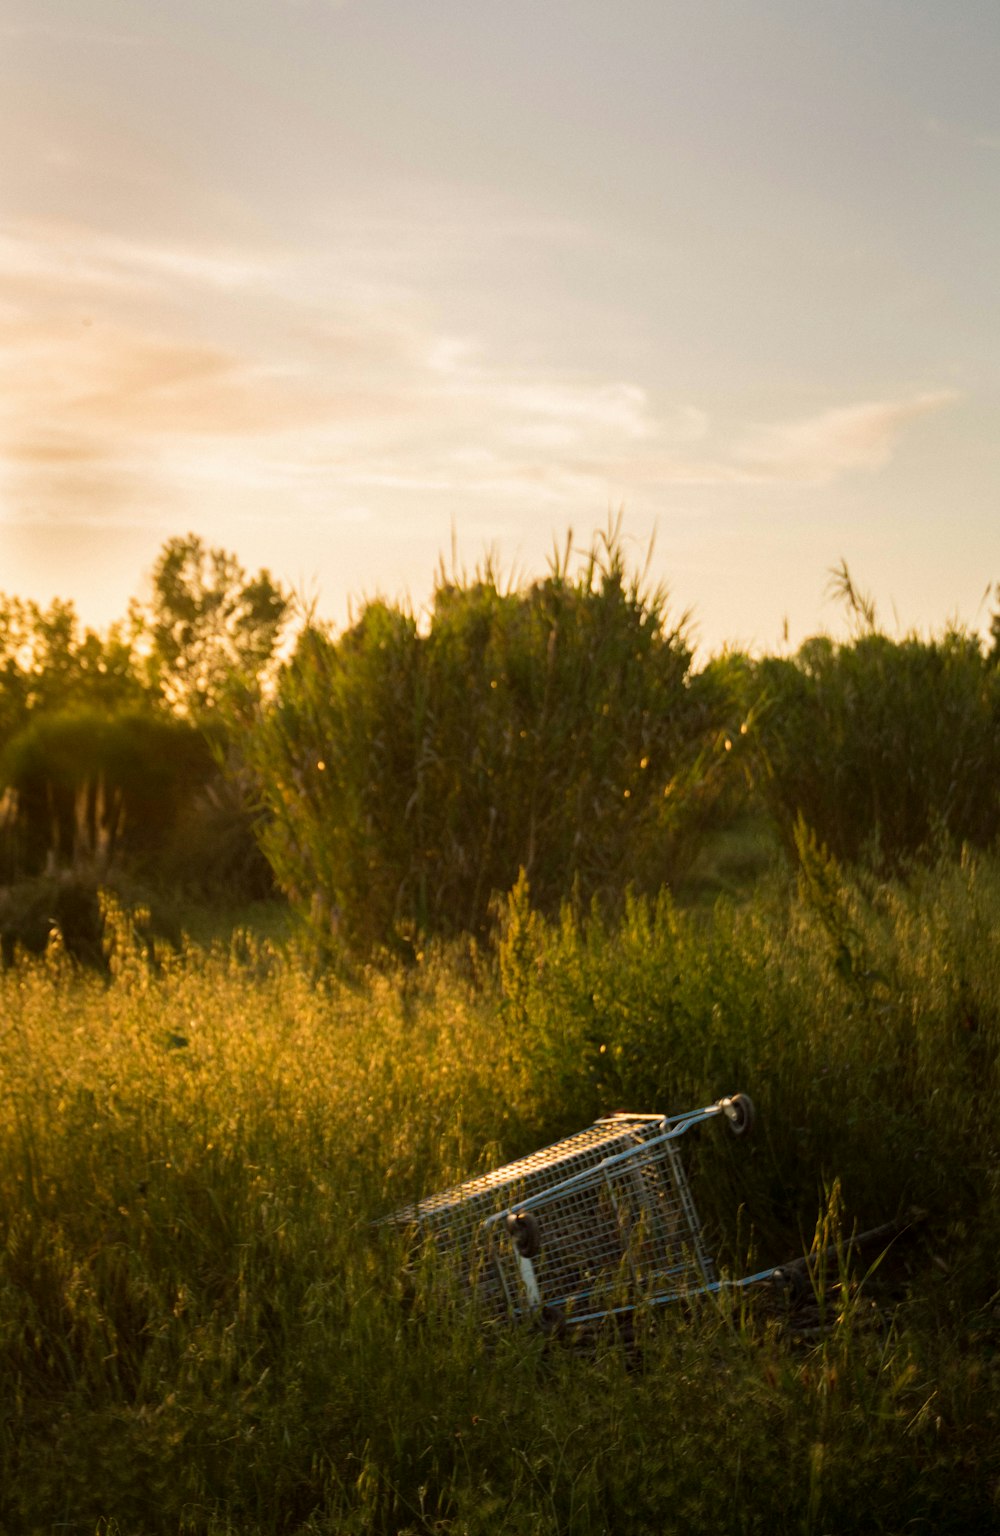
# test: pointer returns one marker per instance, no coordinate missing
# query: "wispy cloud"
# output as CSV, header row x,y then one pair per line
x,y
816,449
64,261
266,376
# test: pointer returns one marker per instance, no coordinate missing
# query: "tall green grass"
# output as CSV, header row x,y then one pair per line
x,y
862,1017
199,1331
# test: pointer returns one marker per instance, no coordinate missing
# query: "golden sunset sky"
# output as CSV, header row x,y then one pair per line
x,y
335,285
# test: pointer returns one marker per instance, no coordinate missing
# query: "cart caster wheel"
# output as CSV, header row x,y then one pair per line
x,y
525,1233
791,1283
739,1112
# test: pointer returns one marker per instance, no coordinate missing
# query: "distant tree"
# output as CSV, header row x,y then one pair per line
x,y
111,744
994,654
206,625
13,678
46,663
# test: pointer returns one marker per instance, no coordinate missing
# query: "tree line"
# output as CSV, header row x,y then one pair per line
x,y
393,780
114,746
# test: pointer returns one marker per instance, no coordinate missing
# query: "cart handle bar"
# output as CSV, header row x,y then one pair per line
x,y
738,1110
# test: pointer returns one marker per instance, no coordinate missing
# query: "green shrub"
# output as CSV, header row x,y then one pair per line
x,y
558,728
882,747
140,794
90,788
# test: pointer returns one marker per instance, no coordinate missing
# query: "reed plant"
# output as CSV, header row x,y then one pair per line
x,y
201,1332
408,775
886,748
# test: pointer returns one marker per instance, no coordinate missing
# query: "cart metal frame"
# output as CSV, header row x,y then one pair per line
x,y
595,1225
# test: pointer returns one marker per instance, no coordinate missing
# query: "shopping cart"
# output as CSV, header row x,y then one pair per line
x,y
597,1224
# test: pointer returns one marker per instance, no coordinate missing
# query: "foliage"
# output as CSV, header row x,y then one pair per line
x,y
557,728
863,1016
207,625
46,664
66,912
883,747
86,789
116,750
204,626
994,653
212,851
199,1332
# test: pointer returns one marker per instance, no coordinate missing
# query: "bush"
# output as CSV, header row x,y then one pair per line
x,y
882,747
88,788
558,729
139,792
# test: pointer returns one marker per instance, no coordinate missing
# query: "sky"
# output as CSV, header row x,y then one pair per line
x,y
354,287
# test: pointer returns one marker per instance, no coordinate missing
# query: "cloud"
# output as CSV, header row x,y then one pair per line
x,y
573,410
137,343
279,381
817,449
62,260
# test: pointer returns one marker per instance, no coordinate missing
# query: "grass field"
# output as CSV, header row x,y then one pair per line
x,y
199,1331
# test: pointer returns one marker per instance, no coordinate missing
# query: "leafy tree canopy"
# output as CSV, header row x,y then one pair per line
x,y
207,624
47,663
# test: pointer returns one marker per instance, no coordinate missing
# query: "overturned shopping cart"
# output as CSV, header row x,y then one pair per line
x,y
597,1224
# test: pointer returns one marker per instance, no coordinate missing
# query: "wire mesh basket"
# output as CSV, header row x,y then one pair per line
x,y
598,1223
